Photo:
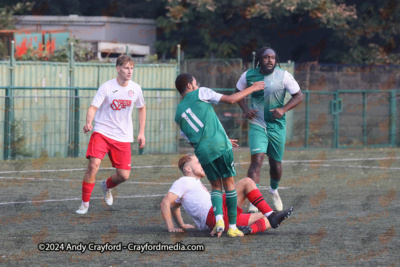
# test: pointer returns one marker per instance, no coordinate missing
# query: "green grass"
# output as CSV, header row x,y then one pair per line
x,y
346,213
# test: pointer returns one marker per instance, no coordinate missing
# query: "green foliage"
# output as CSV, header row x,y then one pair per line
x,y
341,31
7,21
19,141
6,14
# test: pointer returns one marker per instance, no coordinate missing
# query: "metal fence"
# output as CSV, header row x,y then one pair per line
x,y
346,119
43,108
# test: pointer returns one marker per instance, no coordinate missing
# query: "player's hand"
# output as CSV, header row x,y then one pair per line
x,y
218,234
234,143
277,113
175,230
188,226
141,140
87,128
258,86
251,113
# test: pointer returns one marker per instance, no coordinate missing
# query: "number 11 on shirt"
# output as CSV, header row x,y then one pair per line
x,y
194,117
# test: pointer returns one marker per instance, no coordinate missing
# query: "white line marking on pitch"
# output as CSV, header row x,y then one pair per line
x,y
170,166
69,180
68,199
359,167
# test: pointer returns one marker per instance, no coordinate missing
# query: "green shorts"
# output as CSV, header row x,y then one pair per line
x,y
222,167
271,143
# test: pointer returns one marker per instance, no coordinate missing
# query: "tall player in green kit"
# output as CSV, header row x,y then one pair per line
x,y
200,126
267,132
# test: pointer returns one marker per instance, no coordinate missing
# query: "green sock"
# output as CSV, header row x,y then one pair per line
x,y
231,204
274,184
257,185
216,200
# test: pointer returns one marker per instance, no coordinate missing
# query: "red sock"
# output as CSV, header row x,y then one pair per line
x,y
110,184
257,200
87,190
258,226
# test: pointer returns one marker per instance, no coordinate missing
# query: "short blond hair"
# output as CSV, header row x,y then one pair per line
x,y
183,160
123,59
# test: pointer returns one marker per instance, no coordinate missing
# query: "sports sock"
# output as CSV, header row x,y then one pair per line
x,y
258,226
232,226
87,189
110,184
255,197
216,200
274,183
257,185
231,204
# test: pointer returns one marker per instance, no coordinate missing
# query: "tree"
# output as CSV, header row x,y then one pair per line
x,y
7,21
301,30
374,36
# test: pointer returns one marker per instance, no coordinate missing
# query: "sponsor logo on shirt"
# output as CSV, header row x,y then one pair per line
x,y
115,91
119,104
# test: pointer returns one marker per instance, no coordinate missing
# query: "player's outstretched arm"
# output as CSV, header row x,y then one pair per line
x,y
167,205
89,119
236,97
249,113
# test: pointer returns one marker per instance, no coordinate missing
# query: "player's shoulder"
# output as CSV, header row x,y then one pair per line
x,y
134,85
279,69
244,73
183,181
204,89
187,179
250,73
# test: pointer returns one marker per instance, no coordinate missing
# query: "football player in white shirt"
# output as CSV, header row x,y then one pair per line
x,y
111,110
189,192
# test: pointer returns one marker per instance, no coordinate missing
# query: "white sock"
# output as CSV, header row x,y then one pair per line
x,y
86,204
232,226
268,213
272,191
219,217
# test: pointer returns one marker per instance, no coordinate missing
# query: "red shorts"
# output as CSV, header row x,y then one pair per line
x,y
119,152
242,219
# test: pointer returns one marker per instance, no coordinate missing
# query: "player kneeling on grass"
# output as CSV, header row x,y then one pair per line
x,y
190,192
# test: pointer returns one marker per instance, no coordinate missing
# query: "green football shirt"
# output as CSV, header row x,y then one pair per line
x,y
201,126
273,96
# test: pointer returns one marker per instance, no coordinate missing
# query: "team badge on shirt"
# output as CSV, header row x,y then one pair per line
x,y
130,93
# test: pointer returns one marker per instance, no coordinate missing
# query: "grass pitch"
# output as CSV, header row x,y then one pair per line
x,y
346,213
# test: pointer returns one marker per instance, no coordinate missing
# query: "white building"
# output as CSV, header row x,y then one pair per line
x,y
106,36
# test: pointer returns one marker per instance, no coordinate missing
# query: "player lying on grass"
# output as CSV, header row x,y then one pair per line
x,y
190,192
